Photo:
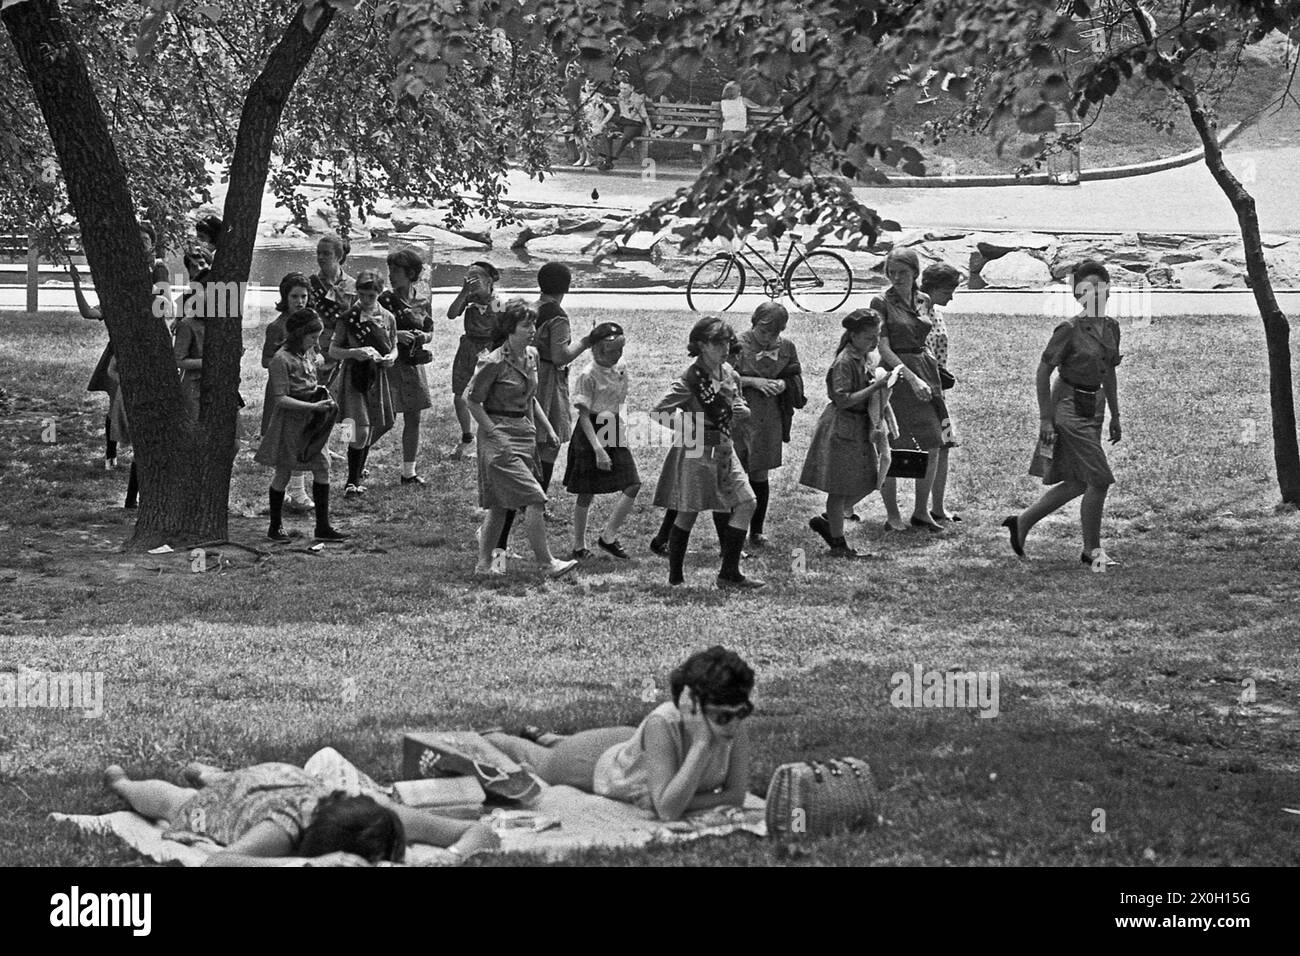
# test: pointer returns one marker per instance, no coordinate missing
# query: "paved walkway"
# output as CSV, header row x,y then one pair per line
x,y
1177,200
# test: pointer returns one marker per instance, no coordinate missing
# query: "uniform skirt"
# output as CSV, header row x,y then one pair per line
x,y
1077,454
841,459
918,420
372,408
410,388
707,478
758,439
582,477
508,475
294,437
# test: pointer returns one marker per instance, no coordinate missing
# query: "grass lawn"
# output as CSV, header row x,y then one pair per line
x,y
1119,692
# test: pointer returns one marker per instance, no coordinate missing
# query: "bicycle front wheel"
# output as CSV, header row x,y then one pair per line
x,y
819,281
716,284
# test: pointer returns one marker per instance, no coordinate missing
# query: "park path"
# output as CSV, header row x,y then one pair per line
x,y
1266,158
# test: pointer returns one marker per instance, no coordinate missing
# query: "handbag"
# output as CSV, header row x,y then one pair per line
x,y
463,753
908,462
817,797
946,379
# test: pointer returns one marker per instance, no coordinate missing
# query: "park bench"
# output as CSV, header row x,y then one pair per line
x,y
17,247
675,123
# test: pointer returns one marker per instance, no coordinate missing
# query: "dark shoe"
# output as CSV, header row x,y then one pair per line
x,y
614,548
580,554
758,541
659,547
413,480
938,517
823,528
129,505
1012,524
329,534
279,534
740,583
932,528
841,549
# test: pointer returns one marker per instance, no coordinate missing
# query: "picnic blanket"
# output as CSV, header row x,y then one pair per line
x,y
584,821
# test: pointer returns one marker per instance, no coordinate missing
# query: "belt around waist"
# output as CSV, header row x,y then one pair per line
x,y
501,413
908,351
1080,388
478,339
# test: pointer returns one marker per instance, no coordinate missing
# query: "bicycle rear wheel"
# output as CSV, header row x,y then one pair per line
x,y
716,284
819,281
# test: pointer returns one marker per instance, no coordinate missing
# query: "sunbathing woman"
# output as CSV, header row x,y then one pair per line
x,y
690,753
278,810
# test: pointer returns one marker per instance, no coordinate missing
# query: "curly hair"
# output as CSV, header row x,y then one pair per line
x,y
515,310
293,280
717,675
408,260
357,825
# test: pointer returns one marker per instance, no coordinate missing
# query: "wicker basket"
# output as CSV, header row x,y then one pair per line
x,y
814,798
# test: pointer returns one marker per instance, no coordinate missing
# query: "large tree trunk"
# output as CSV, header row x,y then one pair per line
x,y
1277,332
165,445
184,468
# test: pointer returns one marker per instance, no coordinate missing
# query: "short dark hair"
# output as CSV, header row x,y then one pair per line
x,y
717,675
1088,268
299,324
290,282
408,260
939,275
209,228
515,310
554,278
706,329
487,267
357,825
369,280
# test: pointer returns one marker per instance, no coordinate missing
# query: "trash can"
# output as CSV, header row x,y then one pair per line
x,y
1063,166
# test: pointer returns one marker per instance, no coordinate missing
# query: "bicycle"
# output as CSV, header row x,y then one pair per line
x,y
817,281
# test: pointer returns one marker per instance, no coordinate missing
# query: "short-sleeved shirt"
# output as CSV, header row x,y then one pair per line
x,y
346,338
906,327
330,301
234,803
735,115
623,772
937,340
631,105
275,333
503,384
481,318
1083,355
601,389
290,374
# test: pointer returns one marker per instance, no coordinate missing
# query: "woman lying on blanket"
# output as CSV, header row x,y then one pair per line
x,y
279,810
691,753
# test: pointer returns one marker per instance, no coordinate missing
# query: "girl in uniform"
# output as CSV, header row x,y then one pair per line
x,y
702,472
772,379
690,753
333,291
479,304
414,331
1084,352
191,329
918,404
939,282
843,458
302,414
295,293
365,343
599,460
502,398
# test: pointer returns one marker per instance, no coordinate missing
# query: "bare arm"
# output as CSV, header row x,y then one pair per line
x,y
737,785
87,310
889,358
263,842
673,788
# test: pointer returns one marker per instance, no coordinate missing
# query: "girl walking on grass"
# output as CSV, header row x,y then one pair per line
x,y
599,460
414,331
364,344
479,304
844,458
302,415
939,282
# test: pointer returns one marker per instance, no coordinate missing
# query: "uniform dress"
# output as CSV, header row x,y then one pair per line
x,y
190,332
292,437
842,458
411,381
372,408
623,771
235,803
599,393
505,385
480,334
702,471
1082,353
936,344
760,440
919,422
552,340
331,300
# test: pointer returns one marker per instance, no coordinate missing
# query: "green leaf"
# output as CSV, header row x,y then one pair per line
x,y
1039,120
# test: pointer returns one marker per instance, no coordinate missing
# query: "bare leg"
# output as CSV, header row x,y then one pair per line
x,y
580,511
536,520
155,799
920,511
462,415
572,761
889,494
623,508
1055,498
835,507
1094,501
741,514
940,486
493,522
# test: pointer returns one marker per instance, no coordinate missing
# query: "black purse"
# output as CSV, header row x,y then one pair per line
x,y
908,462
946,379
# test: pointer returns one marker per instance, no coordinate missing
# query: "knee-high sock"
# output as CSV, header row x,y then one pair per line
x,y
504,538
354,466
677,540
721,521
321,495
670,518
548,469
733,540
132,487
277,509
110,446
761,491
